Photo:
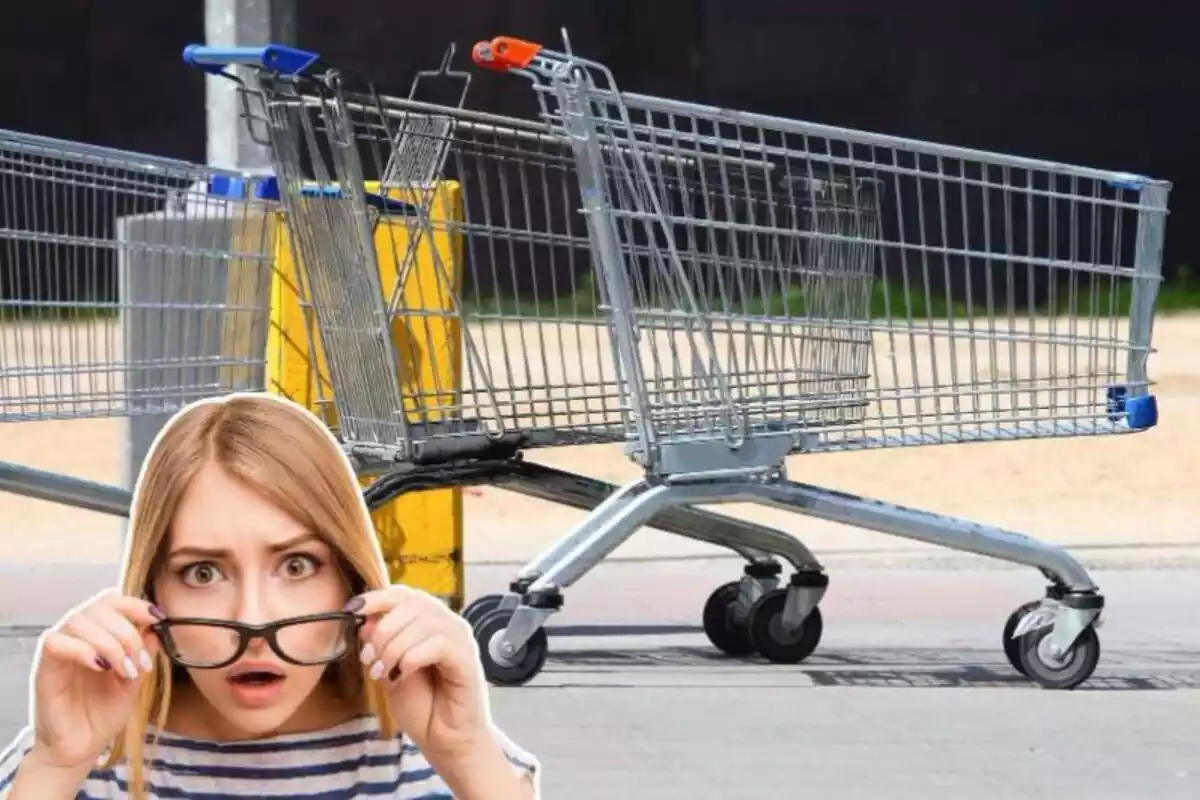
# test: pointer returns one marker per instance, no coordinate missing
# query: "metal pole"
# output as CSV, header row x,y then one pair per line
x,y
64,489
226,23
232,23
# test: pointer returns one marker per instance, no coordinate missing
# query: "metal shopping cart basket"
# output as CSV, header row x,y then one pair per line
x,y
130,285
744,333
366,183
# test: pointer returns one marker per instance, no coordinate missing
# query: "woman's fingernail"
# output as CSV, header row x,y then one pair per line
x,y
376,670
102,663
147,662
368,654
157,613
354,604
130,669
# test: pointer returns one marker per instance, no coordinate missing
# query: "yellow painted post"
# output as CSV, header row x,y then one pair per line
x,y
420,533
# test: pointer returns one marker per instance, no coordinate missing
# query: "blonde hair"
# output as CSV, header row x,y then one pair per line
x,y
284,453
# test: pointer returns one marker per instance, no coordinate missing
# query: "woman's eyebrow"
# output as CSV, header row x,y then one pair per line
x,y
201,552
295,541
210,552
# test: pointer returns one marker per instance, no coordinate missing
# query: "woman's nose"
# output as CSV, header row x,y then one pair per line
x,y
252,607
251,610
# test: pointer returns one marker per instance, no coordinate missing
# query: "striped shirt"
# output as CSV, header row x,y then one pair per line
x,y
349,760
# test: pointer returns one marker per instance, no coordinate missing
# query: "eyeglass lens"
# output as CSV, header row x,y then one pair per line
x,y
314,641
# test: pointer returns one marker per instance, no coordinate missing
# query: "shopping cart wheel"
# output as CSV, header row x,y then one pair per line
x,y
1067,672
480,607
1012,647
728,634
772,641
526,664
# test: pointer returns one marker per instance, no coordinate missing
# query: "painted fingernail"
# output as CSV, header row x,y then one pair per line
x,y
157,613
368,654
376,670
354,604
147,662
102,663
130,669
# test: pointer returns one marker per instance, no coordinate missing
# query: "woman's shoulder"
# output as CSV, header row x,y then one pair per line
x,y
409,762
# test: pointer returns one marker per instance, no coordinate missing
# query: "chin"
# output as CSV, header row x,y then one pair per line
x,y
259,723
260,711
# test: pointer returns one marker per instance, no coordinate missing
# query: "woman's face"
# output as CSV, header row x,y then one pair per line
x,y
233,556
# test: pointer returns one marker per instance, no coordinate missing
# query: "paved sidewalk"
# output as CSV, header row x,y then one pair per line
x,y
908,696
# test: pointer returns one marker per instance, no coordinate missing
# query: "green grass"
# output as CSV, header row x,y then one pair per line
x,y
51,312
1087,296
1181,293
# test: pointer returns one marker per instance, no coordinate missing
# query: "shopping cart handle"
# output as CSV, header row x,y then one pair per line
x,y
504,53
1128,180
388,205
391,206
274,57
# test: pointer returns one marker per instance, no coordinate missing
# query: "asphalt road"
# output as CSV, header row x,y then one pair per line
x,y
909,695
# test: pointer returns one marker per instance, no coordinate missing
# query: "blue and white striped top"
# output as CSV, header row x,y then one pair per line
x,y
349,760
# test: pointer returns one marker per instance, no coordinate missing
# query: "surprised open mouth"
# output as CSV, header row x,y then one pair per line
x,y
256,684
255,678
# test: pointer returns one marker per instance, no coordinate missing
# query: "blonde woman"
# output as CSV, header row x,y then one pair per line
x,y
256,647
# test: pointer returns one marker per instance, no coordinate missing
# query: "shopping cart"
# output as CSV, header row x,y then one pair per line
x,y
130,285
384,197
744,334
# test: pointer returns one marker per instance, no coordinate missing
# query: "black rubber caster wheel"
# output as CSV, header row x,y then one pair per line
x,y
480,607
1075,668
727,634
1012,647
769,638
528,661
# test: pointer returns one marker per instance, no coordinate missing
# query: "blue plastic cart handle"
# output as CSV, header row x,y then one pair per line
x,y
1129,181
274,57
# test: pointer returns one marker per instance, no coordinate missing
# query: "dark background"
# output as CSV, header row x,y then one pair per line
x,y
1104,84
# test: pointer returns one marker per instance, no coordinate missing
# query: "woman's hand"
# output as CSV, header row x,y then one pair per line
x,y
88,671
429,657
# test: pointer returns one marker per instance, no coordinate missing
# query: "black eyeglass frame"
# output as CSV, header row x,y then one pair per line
x,y
246,633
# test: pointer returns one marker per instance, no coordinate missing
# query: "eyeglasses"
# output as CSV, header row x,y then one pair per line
x,y
215,643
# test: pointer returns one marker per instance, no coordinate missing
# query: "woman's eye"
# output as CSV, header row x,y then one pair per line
x,y
200,574
299,566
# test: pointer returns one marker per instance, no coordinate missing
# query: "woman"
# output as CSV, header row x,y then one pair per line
x,y
247,513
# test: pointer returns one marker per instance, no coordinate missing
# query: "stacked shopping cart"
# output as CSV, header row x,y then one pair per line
x,y
763,287
715,290
130,286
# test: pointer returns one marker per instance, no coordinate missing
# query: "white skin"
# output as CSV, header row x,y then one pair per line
x,y
232,555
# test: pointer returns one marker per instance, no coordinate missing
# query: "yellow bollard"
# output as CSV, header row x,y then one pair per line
x,y
420,533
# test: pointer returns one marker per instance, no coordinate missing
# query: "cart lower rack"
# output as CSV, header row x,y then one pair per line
x,y
958,296
129,285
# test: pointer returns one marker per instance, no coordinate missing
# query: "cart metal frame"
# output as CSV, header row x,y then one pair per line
x,y
329,143
97,245
721,387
